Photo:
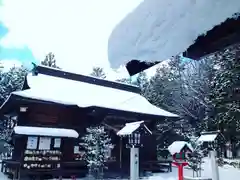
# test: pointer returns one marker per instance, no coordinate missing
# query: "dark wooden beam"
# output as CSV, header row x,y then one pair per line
x,y
218,38
137,66
83,78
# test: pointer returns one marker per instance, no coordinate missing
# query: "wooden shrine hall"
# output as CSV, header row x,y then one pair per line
x,y
53,110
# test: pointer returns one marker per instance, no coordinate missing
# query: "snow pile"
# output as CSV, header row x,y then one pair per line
x,y
226,172
159,29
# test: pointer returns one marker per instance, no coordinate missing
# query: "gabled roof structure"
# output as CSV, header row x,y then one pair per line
x,y
210,136
130,128
177,146
61,87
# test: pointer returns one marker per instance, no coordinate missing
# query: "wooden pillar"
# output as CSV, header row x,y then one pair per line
x,y
120,155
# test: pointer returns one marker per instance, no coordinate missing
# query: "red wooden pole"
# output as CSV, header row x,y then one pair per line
x,y
180,171
180,166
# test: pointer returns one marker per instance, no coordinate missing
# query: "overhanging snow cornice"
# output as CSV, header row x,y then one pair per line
x,y
152,34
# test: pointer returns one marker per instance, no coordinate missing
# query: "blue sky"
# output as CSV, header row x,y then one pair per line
x,y
23,54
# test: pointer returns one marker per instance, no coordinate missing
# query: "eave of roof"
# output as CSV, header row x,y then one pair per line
x,y
165,31
60,89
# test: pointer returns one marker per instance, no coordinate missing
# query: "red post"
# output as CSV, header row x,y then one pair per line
x,y
180,172
180,166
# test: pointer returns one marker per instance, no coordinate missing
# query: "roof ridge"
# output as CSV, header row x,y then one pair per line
x,y
83,78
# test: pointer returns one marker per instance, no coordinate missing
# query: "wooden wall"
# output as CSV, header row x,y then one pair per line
x,y
60,116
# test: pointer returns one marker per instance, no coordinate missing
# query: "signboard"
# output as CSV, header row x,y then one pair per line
x,y
76,150
44,143
32,142
57,142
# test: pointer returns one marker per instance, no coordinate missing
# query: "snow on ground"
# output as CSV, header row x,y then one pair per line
x,y
225,173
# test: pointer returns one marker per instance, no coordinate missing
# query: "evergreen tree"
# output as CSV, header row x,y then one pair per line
x,y
98,146
98,72
177,87
161,88
224,110
195,159
11,80
142,82
141,79
50,61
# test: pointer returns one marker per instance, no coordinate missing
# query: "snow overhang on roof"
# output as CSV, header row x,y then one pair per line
x,y
165,31
177,146
208,136
44,131
71,92
129,128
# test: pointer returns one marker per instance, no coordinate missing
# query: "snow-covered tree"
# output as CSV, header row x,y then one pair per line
x,y
98,72
195,159
224,110
180,87
11,80
50,61
98,146
141,80
194,162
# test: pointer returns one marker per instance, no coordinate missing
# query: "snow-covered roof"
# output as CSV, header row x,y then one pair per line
x,y
83,94
44,131
177,146
159,29
129,128
207,137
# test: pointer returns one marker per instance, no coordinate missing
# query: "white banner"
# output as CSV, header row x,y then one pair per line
x,y
44,143
32,142
57,142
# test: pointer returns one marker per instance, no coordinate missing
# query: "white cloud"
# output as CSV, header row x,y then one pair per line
x,y
76,31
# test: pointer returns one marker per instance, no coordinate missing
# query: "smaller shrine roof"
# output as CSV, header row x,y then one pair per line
x,y
45,131
129,128
177,146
